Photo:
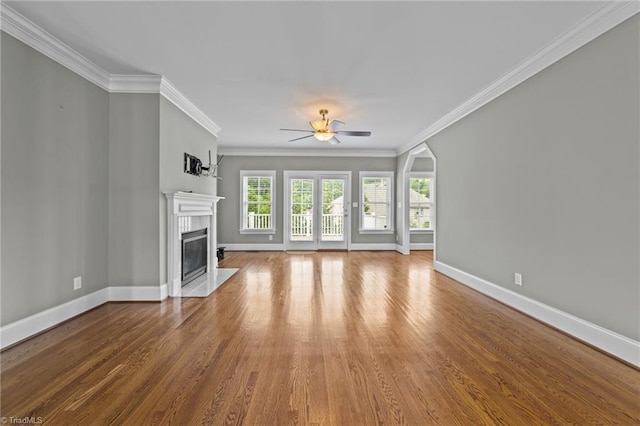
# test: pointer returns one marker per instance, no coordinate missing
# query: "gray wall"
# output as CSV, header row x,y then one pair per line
x,y
229,187
82,183
148,136
180,134
54,183
134,182
545,181
422,164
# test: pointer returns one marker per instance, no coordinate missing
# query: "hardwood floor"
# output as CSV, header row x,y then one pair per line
x,y
332,338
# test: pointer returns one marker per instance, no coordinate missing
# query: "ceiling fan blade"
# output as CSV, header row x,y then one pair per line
x,y
335,124
353,133
298,130
334,141
303,137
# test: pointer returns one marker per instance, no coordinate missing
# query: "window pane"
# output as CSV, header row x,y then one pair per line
x,y
376,203
256,197
420,217
375,222
420,199
420,186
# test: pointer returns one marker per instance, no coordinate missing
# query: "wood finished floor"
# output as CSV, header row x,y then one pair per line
x,y
335,338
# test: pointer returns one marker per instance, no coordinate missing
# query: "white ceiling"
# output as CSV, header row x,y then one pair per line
x,y
393,68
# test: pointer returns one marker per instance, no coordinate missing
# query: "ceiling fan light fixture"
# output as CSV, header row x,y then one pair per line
x,y
323,136
323,124
326,130
319,124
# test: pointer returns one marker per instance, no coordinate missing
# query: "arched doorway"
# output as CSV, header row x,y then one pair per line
x,y
404,219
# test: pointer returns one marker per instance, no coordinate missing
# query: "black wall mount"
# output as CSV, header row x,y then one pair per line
x,y
192,165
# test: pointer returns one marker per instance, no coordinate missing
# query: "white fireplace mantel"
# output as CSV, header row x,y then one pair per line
x,y
183,209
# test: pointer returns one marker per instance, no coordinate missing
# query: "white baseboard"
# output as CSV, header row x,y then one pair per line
x,y
252,247
36,323
138,294
402,250
609,341
281,247
164,291
372,246
26,327
421,246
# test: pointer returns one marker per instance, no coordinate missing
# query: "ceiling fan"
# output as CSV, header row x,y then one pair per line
x,y
325,130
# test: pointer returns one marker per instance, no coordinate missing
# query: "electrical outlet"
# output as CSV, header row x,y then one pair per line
x,y
517,279
270,237
77,283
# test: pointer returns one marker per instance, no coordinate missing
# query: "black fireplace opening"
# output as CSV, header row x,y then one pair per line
x,y
194,255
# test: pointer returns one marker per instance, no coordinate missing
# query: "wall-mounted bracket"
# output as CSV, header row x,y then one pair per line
x,y
193,166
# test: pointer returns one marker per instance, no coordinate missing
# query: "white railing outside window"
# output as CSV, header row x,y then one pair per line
x,y
302,226
333,227
258,221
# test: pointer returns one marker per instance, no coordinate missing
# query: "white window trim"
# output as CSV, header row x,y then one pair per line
x,y
258,173
432,204
366,174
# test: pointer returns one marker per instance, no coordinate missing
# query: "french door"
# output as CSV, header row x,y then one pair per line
x,y
316,210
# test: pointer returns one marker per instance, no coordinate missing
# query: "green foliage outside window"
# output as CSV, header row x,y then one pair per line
x,y
301,196
367,206
421,185
258,195
332,190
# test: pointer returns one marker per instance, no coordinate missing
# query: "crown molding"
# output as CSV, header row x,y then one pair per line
x,y
305,152
32,35
120,83
594,25
175,96
18,26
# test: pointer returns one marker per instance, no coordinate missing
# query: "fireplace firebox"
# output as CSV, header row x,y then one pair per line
x,y
195,253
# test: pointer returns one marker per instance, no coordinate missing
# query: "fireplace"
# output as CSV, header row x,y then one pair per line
x,y
187,212
194,255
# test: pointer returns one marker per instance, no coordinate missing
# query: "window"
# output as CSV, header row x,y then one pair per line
x,y
376,198
258,201
421,202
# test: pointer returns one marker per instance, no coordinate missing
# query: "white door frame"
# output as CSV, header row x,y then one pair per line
x,y
316,176
403,223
